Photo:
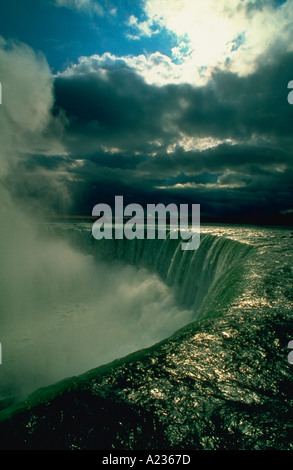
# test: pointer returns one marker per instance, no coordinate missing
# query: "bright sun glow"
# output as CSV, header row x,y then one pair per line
x,y
212,33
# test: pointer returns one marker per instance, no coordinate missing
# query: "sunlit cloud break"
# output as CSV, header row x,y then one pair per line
x,y
227,35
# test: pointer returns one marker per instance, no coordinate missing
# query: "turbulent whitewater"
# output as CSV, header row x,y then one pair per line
x,y
200,340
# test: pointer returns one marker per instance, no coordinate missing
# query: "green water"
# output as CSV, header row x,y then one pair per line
x,y
220,381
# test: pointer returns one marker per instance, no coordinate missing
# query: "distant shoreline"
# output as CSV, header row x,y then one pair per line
x,y
275,221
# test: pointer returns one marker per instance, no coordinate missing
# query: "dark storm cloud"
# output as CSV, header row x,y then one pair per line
x,y
216,160
120,130
225,180
116,107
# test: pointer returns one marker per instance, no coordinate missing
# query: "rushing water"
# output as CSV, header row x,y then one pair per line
x,y
220,379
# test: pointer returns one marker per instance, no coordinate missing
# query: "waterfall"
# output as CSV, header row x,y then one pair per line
x,y
191,274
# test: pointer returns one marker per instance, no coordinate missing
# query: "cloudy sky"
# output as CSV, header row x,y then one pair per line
x,y
157,100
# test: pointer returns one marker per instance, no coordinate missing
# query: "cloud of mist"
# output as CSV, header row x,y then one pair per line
x,y
61,312
27,99
26,121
